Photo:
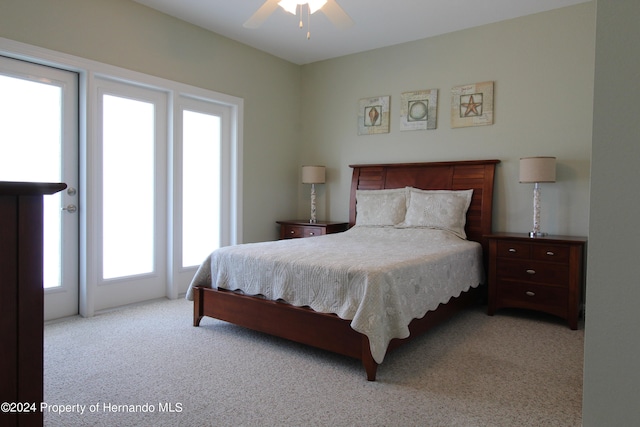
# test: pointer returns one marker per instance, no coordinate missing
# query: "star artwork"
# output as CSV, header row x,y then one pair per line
x,y
472,105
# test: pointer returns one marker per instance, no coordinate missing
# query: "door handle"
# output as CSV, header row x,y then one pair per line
x,y
70,208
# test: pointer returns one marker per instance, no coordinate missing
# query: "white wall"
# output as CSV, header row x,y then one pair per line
x,y
542,66
612,339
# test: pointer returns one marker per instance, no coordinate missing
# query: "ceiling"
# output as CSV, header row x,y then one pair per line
x,y
377,23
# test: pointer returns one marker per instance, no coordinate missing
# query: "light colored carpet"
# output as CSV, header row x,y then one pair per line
x,y
512,369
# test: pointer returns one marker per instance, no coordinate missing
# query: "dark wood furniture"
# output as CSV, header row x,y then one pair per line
x,y
293,229
540,273
22,300
328,331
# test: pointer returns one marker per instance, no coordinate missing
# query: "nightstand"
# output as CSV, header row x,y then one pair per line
x,y
293,229
539,273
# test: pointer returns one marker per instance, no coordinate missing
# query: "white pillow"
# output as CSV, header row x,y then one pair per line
x,y
381,207
439,209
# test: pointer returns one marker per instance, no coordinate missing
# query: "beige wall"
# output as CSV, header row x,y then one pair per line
x,y
131,36
542,66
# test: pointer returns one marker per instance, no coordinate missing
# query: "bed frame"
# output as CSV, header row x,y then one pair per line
x,y
328,331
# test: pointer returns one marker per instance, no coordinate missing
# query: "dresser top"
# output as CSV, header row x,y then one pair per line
x,y
548,238
29,188
306,222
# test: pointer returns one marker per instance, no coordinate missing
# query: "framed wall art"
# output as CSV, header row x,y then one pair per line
x,y
418,110
472,105
373,115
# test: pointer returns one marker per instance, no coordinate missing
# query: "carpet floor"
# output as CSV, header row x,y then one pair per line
x,y
146,365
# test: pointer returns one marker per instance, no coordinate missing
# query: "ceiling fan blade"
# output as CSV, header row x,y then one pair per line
x,y
261,15
337,15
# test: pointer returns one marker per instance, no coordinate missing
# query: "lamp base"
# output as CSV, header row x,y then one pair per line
x,y
313,204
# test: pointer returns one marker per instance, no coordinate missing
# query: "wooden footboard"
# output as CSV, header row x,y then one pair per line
x,y
303,325
299,324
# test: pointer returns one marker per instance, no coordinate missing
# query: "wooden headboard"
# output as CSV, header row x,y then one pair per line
x,y
457,175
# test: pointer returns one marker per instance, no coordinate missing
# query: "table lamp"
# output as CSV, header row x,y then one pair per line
x,y
536,170
313,175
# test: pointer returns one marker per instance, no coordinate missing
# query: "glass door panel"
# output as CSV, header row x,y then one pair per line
x,y
32,153
200,186
128,187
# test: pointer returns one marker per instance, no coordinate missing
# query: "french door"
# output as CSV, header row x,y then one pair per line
x,y
39,142
132,193
153,169
162,187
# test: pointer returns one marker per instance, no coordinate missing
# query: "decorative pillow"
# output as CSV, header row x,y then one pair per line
x,y
439,209
381,207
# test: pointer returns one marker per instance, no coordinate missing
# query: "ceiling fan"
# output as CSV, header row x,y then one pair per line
x,y
330,8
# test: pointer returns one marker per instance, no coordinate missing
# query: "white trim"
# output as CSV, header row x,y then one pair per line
x,y
88,71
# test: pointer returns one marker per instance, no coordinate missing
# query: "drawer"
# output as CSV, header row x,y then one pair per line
x,y
313,231
551,253
533,271
513,250
550,298
294,232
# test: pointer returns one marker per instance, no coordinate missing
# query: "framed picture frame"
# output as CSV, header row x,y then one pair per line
x,y
472,105
419,110
373,115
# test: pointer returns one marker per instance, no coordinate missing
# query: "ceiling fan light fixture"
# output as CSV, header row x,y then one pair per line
x,y
291,6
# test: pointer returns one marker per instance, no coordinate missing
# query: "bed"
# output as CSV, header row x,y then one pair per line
x,y
381,291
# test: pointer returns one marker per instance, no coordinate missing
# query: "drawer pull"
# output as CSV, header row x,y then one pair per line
x,y
530,294
312,234
512,250
531,272
292,232
550,253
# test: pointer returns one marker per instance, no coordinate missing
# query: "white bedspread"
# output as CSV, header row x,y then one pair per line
x,y
380,278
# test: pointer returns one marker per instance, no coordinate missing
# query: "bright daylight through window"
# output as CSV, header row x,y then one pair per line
x,y
34,153
129,188
200,206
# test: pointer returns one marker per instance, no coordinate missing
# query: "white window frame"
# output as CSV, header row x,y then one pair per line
x,y
88,70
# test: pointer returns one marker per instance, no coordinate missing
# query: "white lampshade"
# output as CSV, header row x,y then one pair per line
x,y
313,174
538,169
